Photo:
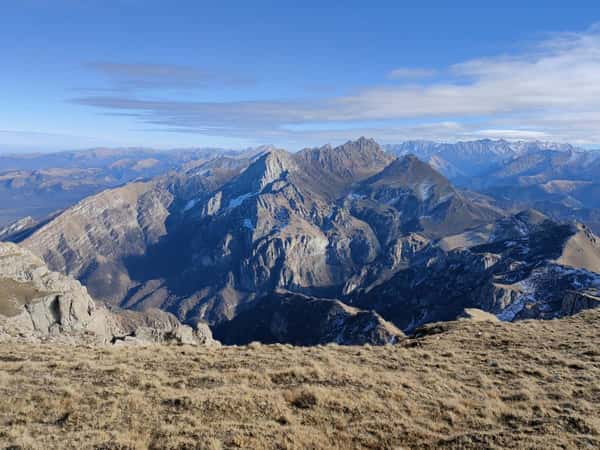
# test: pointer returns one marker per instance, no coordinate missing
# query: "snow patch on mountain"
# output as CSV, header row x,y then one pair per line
x,y
424,190
541,287
355,196
190,204
237,201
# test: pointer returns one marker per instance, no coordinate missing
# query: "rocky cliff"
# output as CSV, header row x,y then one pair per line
x,y
36,303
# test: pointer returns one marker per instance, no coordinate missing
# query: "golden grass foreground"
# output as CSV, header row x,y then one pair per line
x,y
465,384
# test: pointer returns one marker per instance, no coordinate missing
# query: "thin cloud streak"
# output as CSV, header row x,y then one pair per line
x,y
552,90
139,76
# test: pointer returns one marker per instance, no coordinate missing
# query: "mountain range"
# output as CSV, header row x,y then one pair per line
x,y
348,244
558,179
40,184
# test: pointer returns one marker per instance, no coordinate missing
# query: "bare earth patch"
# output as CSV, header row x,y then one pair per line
x,y
466,384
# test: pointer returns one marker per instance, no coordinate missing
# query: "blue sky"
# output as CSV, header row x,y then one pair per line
x,y
79,74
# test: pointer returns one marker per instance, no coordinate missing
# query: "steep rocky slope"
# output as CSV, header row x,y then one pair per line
x,y
36,303
17,228
95,239
530,267
421,199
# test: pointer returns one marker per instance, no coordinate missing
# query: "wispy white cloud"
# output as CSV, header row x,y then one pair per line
x,y
549,91
410,72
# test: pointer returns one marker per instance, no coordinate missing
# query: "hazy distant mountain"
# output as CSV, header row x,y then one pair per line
x,y
42,183
123,158
471,158
559,179
544,166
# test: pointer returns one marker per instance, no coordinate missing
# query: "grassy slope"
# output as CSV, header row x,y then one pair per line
x,y
479,384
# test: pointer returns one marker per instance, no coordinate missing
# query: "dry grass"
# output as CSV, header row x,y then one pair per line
x,y
475,385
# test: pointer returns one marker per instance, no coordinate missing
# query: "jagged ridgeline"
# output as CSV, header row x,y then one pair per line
x,y
359,243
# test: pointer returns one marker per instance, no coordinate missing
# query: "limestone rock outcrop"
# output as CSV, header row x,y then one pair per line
x,y
36,303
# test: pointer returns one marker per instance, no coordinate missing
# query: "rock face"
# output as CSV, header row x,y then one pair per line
x,y
575,302
156,326
39,301
36,303
16,228
97,240
82,241
301,320
420,198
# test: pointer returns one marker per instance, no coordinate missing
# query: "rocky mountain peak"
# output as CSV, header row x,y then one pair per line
x,y
331,171
328,222
269,167
409,171
352,155
363,144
